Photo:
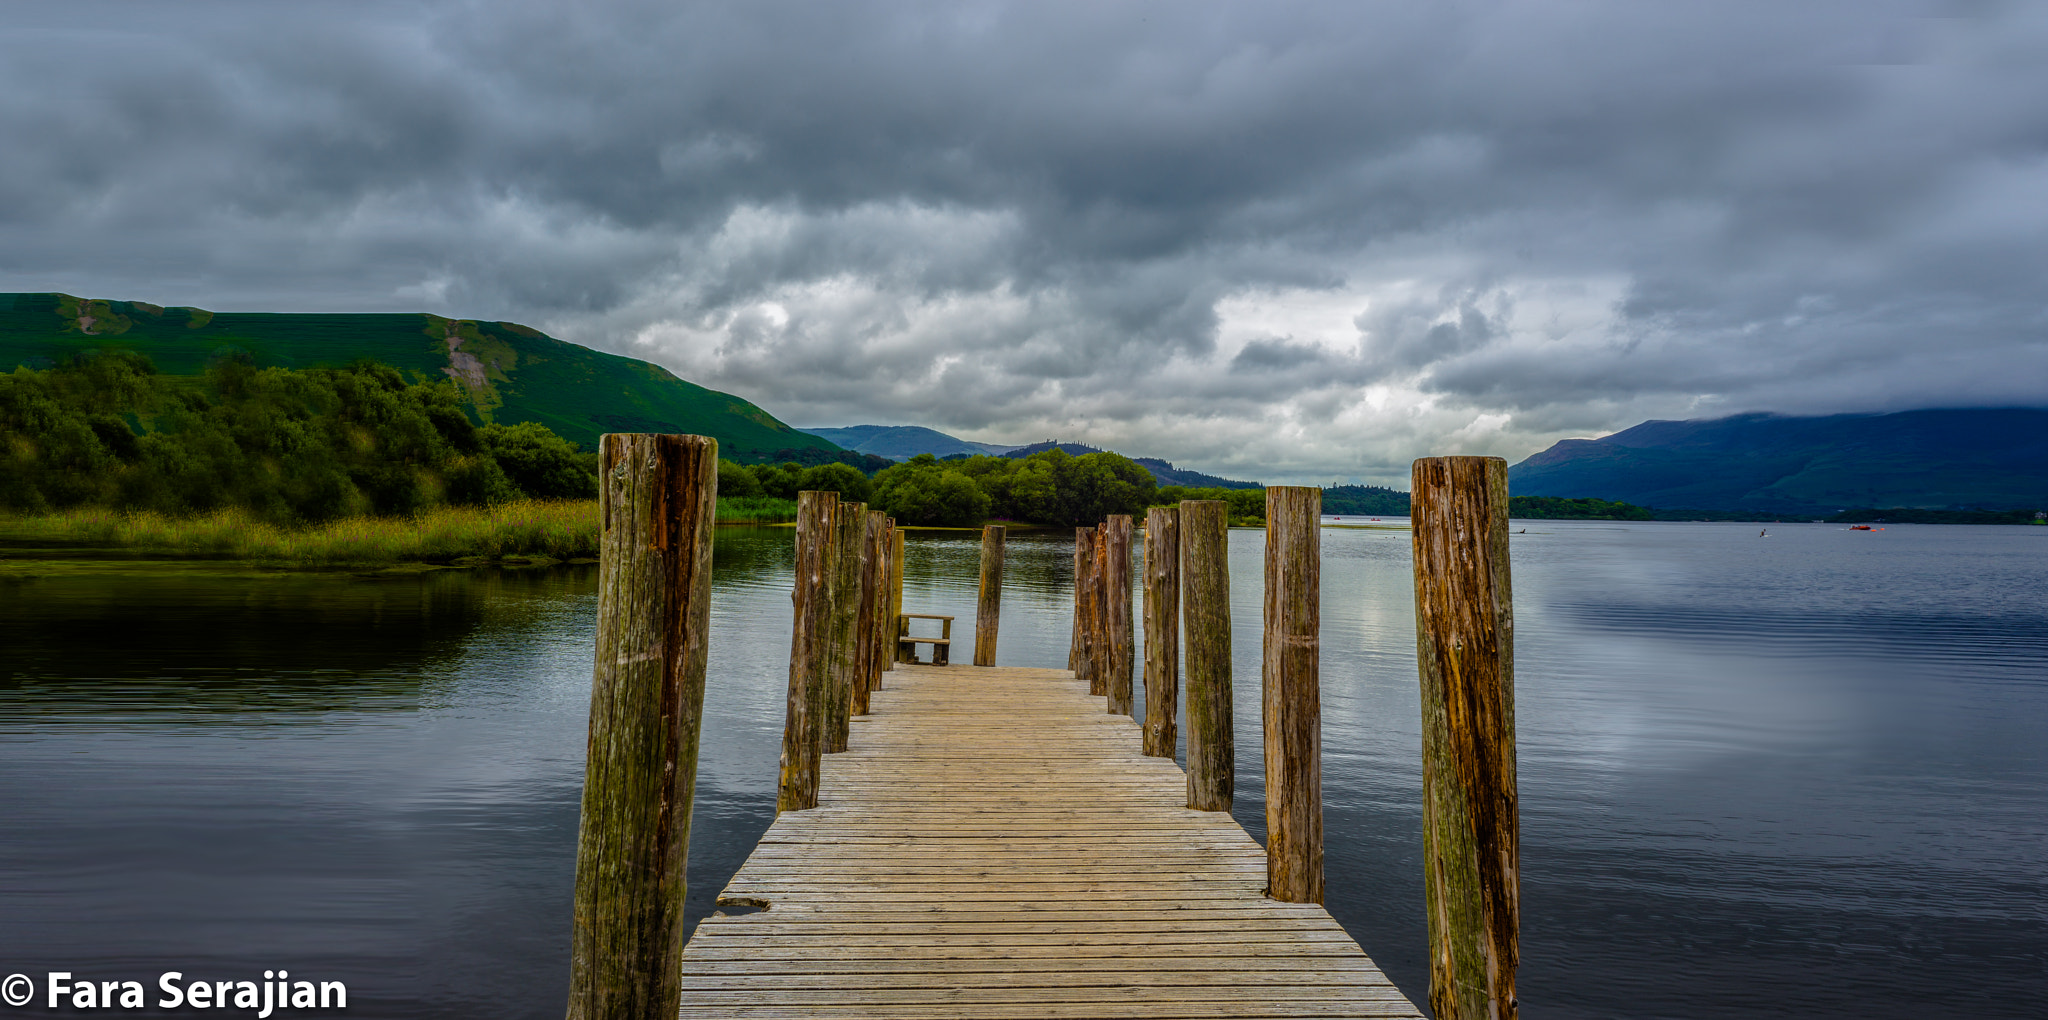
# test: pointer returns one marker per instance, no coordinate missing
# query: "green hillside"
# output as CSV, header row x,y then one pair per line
x,y
508,373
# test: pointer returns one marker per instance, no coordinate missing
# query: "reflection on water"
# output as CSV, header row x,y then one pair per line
x,y
1795,776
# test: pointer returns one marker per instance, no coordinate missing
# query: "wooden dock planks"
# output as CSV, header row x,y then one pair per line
x,y
994,844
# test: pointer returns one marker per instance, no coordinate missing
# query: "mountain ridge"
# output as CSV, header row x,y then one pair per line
x,y
902,442
507,372
1759,463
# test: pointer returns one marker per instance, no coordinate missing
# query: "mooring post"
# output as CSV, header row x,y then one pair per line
x,y
809,650
1205,611
1098,614
1291,694
874,566
1082,557
989,610
885,646
1116,617
1084,607
843,638
658,495
1464,648
900,625
1162,629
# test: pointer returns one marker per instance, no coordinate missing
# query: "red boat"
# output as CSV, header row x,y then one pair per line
x,y
1859,527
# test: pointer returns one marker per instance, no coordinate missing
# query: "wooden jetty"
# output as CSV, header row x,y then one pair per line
x,y
994,844
975,841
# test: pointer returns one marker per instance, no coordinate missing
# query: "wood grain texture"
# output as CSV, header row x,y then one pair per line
x,y
842,636
1098,614
1116,617
1081,555
1086,562
1162,630
1464,648
885,625
658,494
868,632
989,607
993,844
1291,694
896,579
1205,620
802,727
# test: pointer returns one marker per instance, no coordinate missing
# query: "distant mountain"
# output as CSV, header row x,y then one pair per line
x,y
902,442
1167,474
509,373
1959,459
1072,449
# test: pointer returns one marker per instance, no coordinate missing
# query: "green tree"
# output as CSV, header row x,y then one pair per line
x,y
922,491
844,479
736,480
541,464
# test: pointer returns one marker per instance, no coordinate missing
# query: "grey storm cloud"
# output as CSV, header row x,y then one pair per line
x,y
1285,241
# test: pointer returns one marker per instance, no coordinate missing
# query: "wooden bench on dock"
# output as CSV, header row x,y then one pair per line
x,y
906,642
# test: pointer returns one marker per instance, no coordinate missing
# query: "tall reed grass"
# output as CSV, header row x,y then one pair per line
x,y
531,529
755,510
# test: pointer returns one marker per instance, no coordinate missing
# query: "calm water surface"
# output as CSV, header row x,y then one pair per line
x,y
1803,775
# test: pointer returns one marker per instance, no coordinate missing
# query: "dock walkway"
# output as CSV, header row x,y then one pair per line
x,y
993,844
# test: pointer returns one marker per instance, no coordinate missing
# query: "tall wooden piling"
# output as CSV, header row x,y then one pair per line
x,y
658,494
1086,561
817,523
1098,614
1162,629
1083,557
1205,612
874,568
1464,647
898,625
843,636
1292,696
989,609
891,604
1116,617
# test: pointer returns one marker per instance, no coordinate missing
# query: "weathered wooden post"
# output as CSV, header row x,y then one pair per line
x,y
1162,629
1464,648
843,636
1116,617
1084,607
874,567
988,611
809,652
1205,612
1098,614
1292,697
897,623
658,494
1082,558
885,644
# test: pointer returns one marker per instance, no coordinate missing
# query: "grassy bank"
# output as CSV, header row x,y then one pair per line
x,y
524,530
532,529
755,510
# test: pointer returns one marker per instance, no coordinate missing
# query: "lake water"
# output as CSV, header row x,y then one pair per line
x,y
1796,776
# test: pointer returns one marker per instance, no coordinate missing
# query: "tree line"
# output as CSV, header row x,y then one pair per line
x,y
292,446
1052,487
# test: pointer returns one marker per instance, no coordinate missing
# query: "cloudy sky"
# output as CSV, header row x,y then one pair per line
x,y
1292,242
